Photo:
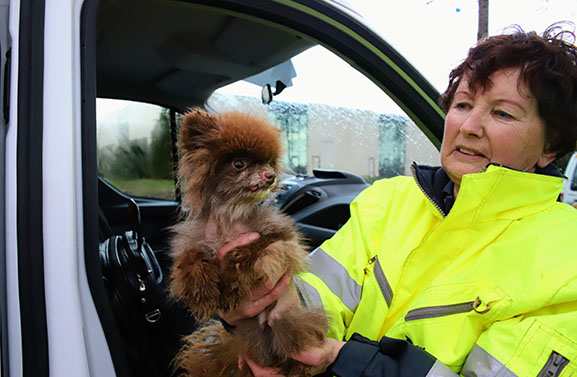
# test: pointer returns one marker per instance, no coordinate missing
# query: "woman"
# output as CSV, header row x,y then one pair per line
x,y
469,268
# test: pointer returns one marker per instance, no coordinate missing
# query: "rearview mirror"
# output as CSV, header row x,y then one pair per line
x,y
266,94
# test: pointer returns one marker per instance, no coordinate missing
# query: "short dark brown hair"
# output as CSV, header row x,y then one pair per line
x,y
548,66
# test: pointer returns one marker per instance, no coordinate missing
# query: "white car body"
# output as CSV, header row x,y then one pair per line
x,y
45,290
569,194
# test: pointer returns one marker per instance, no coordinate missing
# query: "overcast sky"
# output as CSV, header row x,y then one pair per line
x,y
436,34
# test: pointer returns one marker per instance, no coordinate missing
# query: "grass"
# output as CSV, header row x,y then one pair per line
x,y
148,188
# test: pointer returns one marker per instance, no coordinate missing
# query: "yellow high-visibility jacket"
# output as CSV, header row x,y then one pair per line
x,y
488,290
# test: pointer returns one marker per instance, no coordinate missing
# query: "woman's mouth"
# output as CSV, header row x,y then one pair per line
x,y
469,152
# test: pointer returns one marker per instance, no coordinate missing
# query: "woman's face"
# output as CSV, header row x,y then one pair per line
x,y
498,125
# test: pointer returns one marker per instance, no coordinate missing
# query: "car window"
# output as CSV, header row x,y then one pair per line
x,y
135,149
333,117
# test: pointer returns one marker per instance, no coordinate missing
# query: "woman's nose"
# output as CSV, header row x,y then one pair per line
x,y
473,124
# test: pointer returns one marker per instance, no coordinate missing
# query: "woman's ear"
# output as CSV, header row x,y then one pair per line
x,y
546,158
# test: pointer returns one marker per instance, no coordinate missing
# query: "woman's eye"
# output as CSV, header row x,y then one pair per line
x,y
239,164
504,115
461,105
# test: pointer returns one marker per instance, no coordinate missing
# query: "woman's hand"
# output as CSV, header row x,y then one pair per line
x,y
318,357
321,357
263,295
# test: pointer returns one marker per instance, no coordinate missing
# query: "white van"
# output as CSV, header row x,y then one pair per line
x,y
569,194
79,174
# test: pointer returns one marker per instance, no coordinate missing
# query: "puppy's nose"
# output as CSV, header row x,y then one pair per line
x,y
268,177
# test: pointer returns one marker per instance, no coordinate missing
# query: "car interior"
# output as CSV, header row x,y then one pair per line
x,y
175,55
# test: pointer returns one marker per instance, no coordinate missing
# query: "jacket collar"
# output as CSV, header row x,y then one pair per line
x,y
550,170
484,192
435,184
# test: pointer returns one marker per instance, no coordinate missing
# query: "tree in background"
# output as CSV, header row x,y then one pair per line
x,y
142,158
161,148
483,26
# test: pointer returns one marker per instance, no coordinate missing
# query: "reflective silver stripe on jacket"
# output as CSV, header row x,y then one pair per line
x,y
441,370
480,363
336,277
308,295
383,283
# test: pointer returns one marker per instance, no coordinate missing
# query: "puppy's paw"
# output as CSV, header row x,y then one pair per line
x,y
195,281
238,277
297,329
281,255
208,352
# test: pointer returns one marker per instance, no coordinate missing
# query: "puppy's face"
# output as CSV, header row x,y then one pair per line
x,y
243,179
227,160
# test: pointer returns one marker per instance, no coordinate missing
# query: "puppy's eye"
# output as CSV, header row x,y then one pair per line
x,y
239,164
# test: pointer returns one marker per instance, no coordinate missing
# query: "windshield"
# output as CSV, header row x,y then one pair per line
x,y
333,117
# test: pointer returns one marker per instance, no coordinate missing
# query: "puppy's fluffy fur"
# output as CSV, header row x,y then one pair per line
x,y
229,165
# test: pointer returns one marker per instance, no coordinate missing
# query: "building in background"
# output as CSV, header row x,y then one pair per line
x,y
318,136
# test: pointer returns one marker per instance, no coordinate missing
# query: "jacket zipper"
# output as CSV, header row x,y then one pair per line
x,y
554,366
386,289
414,171
439,311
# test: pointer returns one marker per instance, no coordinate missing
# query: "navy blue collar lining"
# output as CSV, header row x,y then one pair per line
x,y
439,187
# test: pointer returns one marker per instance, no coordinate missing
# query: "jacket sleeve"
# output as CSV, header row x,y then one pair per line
x,y
387,358
336,273
538,344
542,343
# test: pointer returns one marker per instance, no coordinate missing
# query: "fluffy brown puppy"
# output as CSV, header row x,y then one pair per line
x,y
229,165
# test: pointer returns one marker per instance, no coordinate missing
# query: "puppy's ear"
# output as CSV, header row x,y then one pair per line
x,y
197,127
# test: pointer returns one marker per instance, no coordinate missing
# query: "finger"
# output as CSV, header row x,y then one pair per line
x,y
272,296
270,286
322,356
262,319
283,282
259,371
311,356
242,240
251,307
289,299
